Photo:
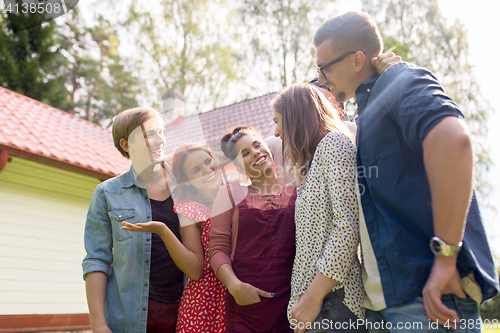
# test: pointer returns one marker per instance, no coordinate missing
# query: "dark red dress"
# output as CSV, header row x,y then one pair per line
x,y
263,257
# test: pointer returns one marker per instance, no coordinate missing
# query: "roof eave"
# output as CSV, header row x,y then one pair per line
x,y
53,162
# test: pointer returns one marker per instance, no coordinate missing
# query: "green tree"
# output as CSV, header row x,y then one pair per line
x,y
491,309
99,82
31,62
185,45
280,39
425,38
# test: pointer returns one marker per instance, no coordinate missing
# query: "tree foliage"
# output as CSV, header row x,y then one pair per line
x,y
425,38
31,62
100,85
185,45
491,309
72,66
279,34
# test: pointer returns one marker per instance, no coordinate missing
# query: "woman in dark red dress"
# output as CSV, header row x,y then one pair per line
x,y
252,239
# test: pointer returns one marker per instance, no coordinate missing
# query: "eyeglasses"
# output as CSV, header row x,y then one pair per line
x,y
315,82
320,69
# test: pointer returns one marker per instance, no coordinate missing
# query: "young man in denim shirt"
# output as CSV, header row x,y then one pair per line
x,y
131,280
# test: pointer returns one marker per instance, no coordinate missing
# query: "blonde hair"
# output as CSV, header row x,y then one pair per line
x,y
307,116
126,121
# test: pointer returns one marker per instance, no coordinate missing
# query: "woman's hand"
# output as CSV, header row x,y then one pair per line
x,y
306,311
246,294
152,226
384,61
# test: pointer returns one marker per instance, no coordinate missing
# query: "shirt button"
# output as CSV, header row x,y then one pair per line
x,y
147,216
143,309
368,90
147,261
146,197
119,216
145,284
147,240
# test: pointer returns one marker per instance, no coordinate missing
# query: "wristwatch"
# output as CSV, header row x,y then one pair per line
x,y
440,248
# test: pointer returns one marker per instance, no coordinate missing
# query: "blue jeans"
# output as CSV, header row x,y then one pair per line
x,y
411,317
336,317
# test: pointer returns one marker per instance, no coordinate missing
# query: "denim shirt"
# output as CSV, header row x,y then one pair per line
x,y
123,255
396,111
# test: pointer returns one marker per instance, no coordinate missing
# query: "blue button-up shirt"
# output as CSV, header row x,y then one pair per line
x,y
123,255
396,111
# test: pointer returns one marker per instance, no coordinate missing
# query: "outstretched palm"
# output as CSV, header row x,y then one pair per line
x,y
151,226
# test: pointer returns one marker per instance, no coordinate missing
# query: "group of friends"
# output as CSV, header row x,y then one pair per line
x,y
373,226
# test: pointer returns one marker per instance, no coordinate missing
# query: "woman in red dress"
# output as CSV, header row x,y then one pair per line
x,y
202,306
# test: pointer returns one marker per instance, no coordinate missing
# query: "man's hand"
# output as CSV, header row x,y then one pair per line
x,y
101,329
246,294
306,311
444,279
384,61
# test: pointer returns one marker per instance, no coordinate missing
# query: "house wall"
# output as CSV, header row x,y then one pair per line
x,y
42,219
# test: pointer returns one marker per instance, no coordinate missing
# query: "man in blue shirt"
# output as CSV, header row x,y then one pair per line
x,y
424,247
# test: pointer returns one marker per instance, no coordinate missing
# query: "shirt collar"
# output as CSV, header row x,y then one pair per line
x,y
363,89
132,179
369,82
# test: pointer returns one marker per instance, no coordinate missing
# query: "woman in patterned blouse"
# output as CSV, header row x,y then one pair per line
x,y
326,278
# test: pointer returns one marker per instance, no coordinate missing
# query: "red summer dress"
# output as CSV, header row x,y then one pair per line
x,y
202,306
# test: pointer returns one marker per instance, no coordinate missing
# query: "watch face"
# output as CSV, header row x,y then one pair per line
x,y
435,247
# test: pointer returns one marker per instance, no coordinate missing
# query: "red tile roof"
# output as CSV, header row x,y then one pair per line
x,y
210,126
36,131
39,132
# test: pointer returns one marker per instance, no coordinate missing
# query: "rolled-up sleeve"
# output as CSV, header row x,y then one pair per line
x,y
98,237
338,159
422,105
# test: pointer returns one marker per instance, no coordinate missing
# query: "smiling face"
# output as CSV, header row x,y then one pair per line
x,y
339,76
257,157
278,132
199,167
146,143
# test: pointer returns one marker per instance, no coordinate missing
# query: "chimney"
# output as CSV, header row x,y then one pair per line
x,y
173,105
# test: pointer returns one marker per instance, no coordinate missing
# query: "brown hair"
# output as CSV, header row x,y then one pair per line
x,y
306,117
127,121
352,31
183,191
